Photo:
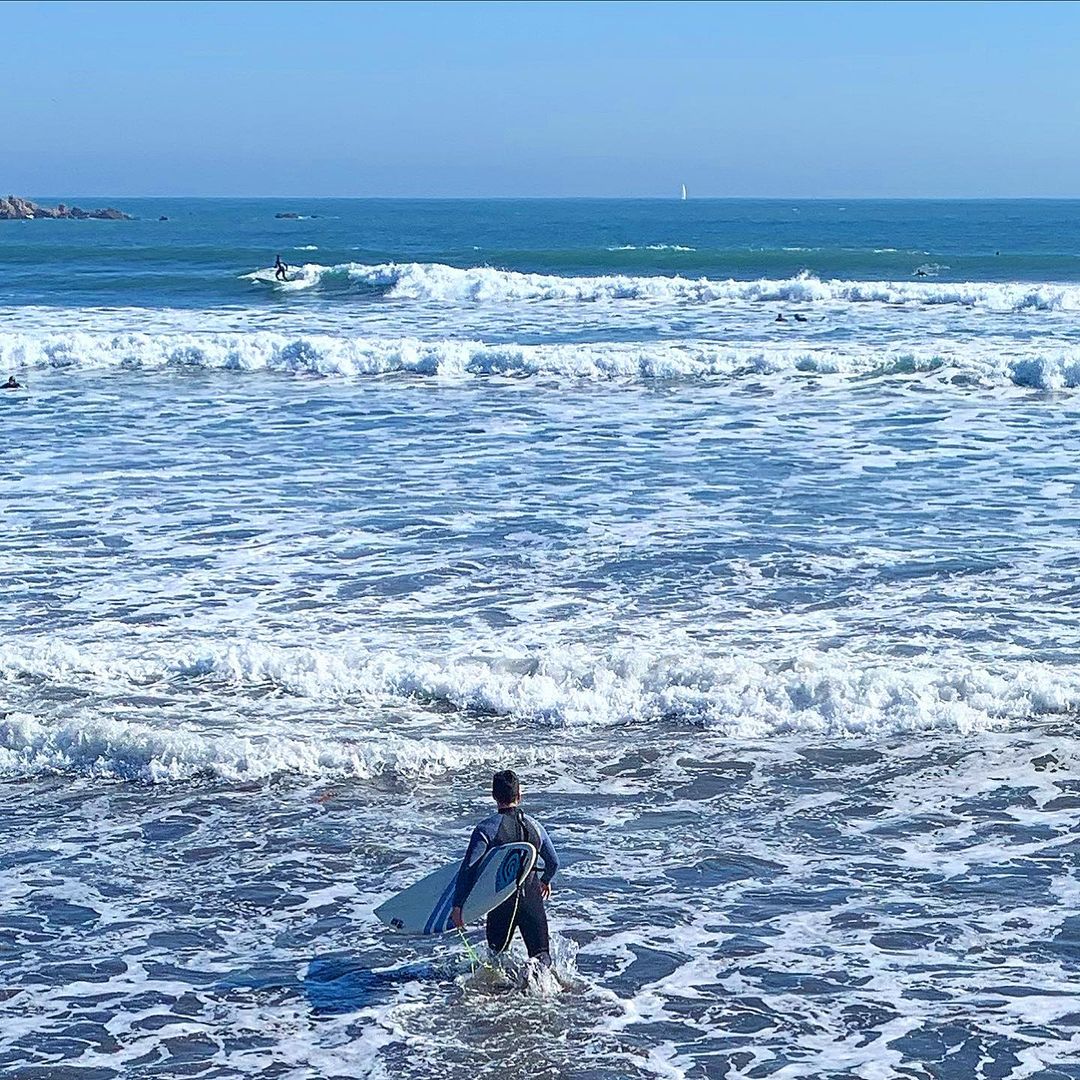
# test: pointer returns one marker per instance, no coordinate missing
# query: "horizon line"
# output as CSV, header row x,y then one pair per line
x,y
582,198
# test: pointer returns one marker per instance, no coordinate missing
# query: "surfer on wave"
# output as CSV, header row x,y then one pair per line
x,y
524,911
280,269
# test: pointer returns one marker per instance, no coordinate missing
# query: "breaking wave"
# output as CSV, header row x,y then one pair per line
x,y
569,688
651,247
110,749
1043,365
483,284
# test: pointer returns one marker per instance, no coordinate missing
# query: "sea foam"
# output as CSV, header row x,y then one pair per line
x,y
484,284
566,688
110,749
1044,364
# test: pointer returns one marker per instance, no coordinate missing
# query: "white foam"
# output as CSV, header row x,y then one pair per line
x,y
105,748
652,247
1040,364
483,284
573,687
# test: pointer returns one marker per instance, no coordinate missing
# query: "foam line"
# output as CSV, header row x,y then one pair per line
x,y
1046,365
484,284
565,687
103,748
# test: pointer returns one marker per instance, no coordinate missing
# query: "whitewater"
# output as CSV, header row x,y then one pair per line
x,y
418,281
746,532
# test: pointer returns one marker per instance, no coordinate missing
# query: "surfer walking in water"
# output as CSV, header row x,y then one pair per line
x,y
524,911
280,269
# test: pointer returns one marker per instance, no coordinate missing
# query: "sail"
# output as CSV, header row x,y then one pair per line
x,y
684,192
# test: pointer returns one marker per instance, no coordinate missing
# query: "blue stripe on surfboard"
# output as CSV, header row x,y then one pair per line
x,y
441,908
442,921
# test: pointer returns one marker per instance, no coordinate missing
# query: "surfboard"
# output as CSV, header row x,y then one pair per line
x,y
424,908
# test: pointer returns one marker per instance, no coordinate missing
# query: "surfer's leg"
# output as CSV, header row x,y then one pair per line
x,y
500,924
532,919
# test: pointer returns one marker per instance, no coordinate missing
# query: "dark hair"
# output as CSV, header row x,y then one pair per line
x,y
505,787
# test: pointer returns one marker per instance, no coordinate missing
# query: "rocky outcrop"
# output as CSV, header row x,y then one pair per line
x,y
15,209
287,215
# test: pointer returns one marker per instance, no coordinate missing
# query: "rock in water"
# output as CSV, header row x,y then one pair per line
x,y
14,208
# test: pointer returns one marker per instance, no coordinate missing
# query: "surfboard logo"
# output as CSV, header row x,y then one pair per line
x,y
509,869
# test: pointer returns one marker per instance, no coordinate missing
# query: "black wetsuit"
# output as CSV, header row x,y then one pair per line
x,y
524,911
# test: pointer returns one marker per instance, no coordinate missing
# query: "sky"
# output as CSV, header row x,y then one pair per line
x,y
577,99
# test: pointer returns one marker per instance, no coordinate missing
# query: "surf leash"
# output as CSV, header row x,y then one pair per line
x,y
470,952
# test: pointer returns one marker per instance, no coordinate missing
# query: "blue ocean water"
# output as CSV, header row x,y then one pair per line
x,y
746,531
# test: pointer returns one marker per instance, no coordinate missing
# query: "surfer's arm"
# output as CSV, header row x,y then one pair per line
x,y
478,844
548,854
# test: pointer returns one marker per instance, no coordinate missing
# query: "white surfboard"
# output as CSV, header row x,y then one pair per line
x,y
424,908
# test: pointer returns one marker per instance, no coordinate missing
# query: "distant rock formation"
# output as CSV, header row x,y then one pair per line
x,y
288,214
15,209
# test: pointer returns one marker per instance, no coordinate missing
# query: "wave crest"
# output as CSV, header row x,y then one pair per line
x,y
571,686
108,749
484,284
1039,365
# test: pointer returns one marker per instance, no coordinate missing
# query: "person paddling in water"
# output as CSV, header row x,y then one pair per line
x,y
12,383
524,911
280,269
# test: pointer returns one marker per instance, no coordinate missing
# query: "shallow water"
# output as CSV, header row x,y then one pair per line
x,y
777,621
806,909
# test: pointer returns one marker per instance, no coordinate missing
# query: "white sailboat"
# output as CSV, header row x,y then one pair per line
x,y
684,193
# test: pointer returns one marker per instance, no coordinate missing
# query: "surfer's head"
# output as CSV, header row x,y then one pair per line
x,y
506,788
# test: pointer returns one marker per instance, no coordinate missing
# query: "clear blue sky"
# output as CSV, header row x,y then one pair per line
x,y
541,99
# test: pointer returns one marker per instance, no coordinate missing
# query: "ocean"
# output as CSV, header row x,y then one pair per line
x,y
747,532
